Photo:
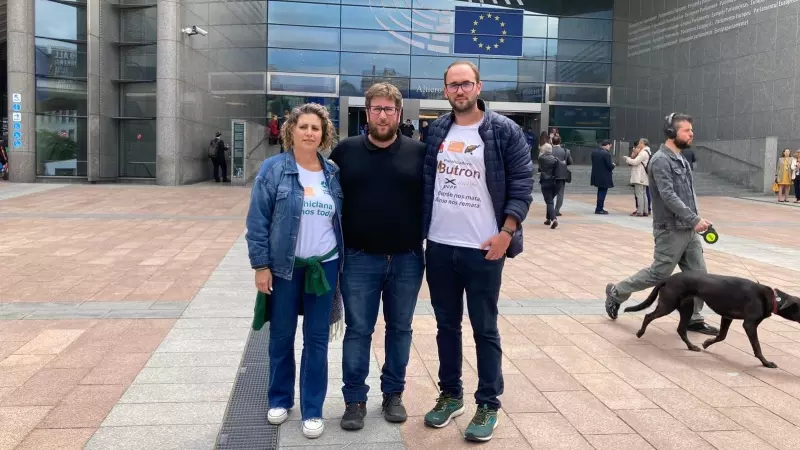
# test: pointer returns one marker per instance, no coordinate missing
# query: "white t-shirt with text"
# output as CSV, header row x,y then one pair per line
x,y
463,215
317,236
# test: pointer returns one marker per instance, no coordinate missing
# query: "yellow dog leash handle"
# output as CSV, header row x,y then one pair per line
x,y
710,236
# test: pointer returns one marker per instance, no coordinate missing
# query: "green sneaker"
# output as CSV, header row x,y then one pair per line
x,y
446,408
482,426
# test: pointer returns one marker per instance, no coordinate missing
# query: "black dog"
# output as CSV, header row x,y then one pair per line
x,y
730,297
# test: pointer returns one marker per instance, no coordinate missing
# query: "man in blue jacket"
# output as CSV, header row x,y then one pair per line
x,y
602,174
476,193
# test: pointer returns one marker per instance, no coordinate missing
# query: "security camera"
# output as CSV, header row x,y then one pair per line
x,y
194,29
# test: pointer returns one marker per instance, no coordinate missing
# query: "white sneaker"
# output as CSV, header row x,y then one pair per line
x,y
277,416
313,428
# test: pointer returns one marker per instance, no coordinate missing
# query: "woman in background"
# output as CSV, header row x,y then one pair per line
x,y
796,176
783,174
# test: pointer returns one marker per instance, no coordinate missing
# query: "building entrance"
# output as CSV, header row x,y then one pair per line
x,y
526,121
356,121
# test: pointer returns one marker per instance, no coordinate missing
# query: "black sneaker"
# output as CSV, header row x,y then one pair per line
x,y
703,328
353,418
558,214
393,409
547,222
612,307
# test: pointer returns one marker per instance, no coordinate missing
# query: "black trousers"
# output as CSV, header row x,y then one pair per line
x,y
220,169
549,191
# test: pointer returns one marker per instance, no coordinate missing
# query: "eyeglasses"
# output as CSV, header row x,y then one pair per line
x,y
389,110
466,86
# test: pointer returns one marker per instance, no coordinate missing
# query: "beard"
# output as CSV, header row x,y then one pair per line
x,y
467,104
682,145
376,134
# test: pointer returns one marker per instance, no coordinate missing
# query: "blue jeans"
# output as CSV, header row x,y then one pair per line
x,y
601,199
365,278
286,299
450,272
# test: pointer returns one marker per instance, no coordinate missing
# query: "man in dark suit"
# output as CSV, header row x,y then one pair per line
x,y
602,170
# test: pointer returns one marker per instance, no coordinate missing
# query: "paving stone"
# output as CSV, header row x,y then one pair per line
x,y
177,393
197,359
706,389
376,430
49,342
128,305
766,425
67,439
662,430
618,442
68,314
197,413
689,410
201,345
144,314
169,305
41,306
206,323
12,315
84,407
117,369
163,437
550,431
573,359
17,421
212,333
586,413
735,440
613,392
182,375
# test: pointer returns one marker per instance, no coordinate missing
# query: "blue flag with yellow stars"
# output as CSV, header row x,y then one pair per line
x,y
488,31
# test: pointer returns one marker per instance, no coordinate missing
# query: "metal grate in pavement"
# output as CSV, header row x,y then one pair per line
x,y
245,424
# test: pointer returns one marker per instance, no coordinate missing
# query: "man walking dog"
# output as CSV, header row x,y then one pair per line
x,y
675,222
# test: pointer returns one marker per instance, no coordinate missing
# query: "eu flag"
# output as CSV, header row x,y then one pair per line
x,y
488,31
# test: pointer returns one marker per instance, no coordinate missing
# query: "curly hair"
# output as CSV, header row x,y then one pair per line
x,y
328,131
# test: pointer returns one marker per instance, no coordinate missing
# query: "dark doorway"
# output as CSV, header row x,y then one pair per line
x,y
356,120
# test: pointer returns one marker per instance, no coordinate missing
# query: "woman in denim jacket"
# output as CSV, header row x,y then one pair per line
x,y
294,242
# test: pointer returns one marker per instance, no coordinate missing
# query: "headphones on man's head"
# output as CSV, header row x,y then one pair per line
x,y
669,127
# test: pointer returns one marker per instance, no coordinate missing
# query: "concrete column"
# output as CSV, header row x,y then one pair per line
x,y
770,163
93,149
167,108
344,118
22,159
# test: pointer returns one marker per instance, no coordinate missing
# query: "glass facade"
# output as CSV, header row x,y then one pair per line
x,y
355,43
60,66
137,73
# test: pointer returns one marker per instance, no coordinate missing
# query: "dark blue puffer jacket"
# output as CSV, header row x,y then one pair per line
x,y
509,170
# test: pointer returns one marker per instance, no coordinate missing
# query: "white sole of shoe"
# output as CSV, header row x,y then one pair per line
x,y
313,434
455,414
277,420
483,439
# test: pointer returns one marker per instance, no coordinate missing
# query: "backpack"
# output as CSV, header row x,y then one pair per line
x,y
212,148
562,170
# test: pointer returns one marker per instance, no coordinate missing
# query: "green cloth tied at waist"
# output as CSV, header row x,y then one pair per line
x,y
315,282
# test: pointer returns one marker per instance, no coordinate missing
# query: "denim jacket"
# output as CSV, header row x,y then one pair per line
x,y
276,204
672,191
